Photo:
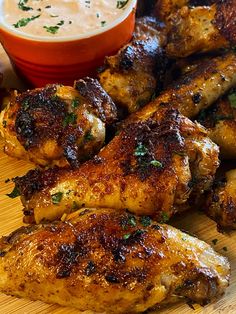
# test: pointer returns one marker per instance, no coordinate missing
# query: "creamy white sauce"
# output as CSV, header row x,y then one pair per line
x,y
60,18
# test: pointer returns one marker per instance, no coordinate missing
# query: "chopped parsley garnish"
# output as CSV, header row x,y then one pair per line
x,y
75,103
146,221
4,123
232,99
164,217
88,136
103,23
48,7
140,150
23,22
225,248
126,236
54,29
22,6
214,241
70,118
60,23
132,221
75,206
15,193
57,197
156,163
121,4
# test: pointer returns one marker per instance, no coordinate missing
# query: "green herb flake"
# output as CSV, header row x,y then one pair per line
x,y
225,248
57,197
15,193
4,123
156,163
75,206
132,221
146,221
88,136
103,23
164,217
75,103
214,241
61,23
23,22
232,99
70,118
52,29
121,4
126,236
22,5
141,150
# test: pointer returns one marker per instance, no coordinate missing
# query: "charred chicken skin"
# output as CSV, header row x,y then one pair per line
x,y
134,74
94,254
196,90
220,122
57,124
221,202
151,168
201,29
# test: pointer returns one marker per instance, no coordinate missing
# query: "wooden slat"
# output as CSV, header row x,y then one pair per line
x,y
11,218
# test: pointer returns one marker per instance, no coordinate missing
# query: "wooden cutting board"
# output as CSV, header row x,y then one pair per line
x,y
194,222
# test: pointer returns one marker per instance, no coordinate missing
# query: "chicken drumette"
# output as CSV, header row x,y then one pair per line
x,y
57,125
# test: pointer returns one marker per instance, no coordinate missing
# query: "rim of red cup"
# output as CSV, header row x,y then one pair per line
x,y
10,29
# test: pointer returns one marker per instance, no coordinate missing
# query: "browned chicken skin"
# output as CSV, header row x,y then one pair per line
x,y
132,76
196,90
151,168
57,124
221,202
220,122
110,261
201,29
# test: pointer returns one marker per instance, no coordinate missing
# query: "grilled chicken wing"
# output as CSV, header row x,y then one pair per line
x,y
201,29
220,122
196,90
150,168
132,76
57,124
221,202
107,260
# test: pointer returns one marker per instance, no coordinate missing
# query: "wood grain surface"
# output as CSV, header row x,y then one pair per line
x,y
194,222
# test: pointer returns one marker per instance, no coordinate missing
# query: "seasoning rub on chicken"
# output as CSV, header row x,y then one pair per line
x,y
133,75
110,261
201,29
151,167
57,125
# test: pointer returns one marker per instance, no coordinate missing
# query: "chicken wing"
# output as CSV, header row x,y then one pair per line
x,y
57,124
220,122
201,29
132,76
110,261
150,168
221,202
196,90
